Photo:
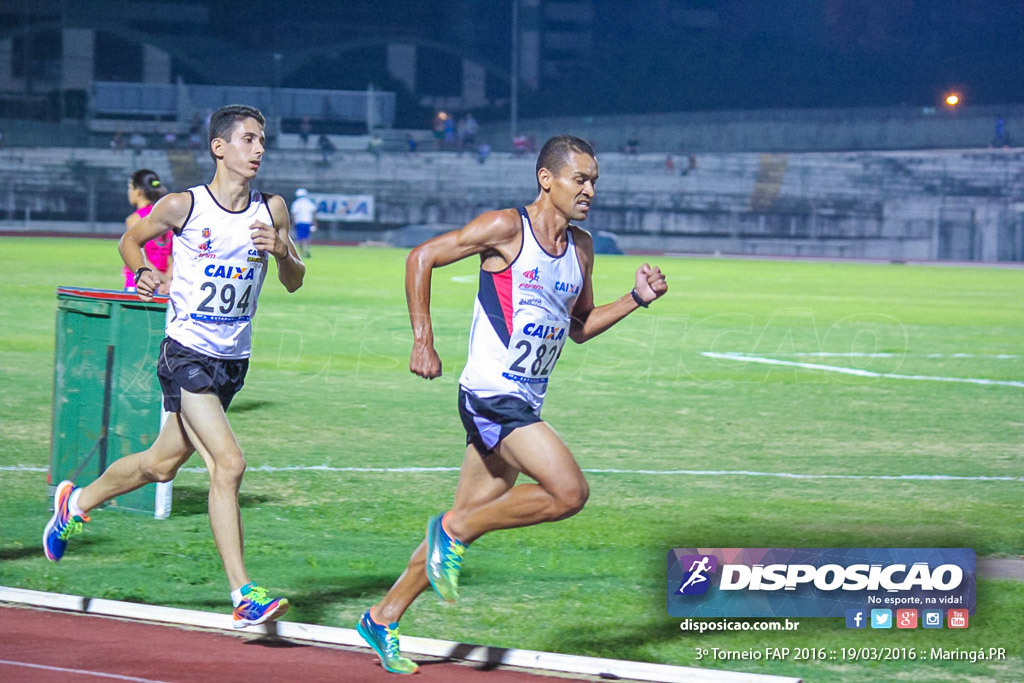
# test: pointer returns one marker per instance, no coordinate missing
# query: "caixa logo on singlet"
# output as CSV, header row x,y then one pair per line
x,y
567,287
230,272
544,331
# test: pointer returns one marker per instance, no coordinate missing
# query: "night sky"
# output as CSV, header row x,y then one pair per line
x,y
640,55
673,55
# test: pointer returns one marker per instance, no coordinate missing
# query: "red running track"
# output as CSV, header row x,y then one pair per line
x,y
77,648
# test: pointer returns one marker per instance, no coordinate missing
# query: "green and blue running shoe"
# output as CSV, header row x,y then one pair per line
x,y
444,559
62,525
256,607
384,641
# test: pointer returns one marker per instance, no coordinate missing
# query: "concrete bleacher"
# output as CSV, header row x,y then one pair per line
x,y
70,184
956,204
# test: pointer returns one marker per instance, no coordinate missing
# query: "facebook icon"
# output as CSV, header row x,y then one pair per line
x,y
855,618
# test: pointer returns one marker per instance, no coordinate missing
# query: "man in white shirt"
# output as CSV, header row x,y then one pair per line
x,y
304,218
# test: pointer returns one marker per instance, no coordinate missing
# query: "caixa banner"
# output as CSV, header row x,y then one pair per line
x,y
816,582
344,207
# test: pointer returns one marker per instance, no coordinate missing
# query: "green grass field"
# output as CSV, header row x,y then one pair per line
x,y
329,384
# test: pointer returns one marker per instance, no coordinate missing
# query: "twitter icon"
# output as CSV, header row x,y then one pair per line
x,y
881,618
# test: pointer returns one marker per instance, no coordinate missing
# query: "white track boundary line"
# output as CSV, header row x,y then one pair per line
x,y
83,672
831,354
532,659
695,473
854,371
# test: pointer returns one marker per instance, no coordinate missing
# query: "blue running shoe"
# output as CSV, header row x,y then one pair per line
x,y
444,559
256,607
62,525
384,641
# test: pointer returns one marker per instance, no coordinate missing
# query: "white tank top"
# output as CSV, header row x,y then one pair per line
x,y
217,276
521,321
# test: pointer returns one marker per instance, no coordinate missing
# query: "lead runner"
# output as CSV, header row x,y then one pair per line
x,y
224,232
535,292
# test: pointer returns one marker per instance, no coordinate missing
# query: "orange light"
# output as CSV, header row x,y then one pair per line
x,y
952,99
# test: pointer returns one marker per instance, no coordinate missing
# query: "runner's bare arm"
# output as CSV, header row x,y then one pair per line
x,y
167,214
589,321
277,241
493,234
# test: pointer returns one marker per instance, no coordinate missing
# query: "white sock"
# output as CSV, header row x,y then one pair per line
x,y
236,595
73,504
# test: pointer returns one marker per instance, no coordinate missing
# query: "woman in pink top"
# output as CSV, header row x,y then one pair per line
x,y
144,189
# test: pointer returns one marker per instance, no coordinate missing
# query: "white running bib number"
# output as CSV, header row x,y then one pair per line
x,y
226,292
533,351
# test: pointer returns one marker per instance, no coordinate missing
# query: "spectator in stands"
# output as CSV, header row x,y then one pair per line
x,y
449,133
304,217
670,165
460,134
632,146
305,128
144,190
195,139
691,165
519,145
327,148
137,142
170,139
482,152
438,127
117,143
1000,139
375,146
411,141
469,131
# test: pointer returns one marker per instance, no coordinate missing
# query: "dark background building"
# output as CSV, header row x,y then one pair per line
x,y
574,56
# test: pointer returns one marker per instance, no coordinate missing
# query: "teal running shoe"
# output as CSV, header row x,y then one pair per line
x,y
444,559
62,524
256,607
384,641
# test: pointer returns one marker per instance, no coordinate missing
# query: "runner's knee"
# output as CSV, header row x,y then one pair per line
x,y
571,498
228,468
162,469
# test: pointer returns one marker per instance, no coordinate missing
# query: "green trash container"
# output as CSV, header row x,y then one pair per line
x,y
106,397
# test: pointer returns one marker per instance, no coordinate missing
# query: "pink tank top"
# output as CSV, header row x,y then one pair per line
x,y
157,250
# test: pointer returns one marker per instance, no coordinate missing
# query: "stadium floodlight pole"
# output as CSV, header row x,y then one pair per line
x,y
514,103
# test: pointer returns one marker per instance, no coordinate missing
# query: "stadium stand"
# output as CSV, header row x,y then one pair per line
x,y
952,204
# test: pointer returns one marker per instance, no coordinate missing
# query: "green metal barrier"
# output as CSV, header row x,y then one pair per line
x,y
106,396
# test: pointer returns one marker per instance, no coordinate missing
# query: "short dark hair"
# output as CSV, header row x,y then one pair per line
x,y
224,120
149,183
555,152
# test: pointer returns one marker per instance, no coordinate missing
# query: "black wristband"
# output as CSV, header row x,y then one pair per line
x,y
140,271
636,297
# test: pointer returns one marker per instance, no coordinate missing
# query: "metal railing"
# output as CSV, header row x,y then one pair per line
x,y
111,98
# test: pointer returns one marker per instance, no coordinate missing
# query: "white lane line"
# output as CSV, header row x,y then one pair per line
x,y
315,633
693,473
831,354
791,475
860,373
83,672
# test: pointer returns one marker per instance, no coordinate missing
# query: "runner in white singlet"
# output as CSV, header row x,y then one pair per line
x,y
225,232
535,293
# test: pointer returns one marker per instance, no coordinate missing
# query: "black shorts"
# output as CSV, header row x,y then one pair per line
x,y
180,367
489,420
